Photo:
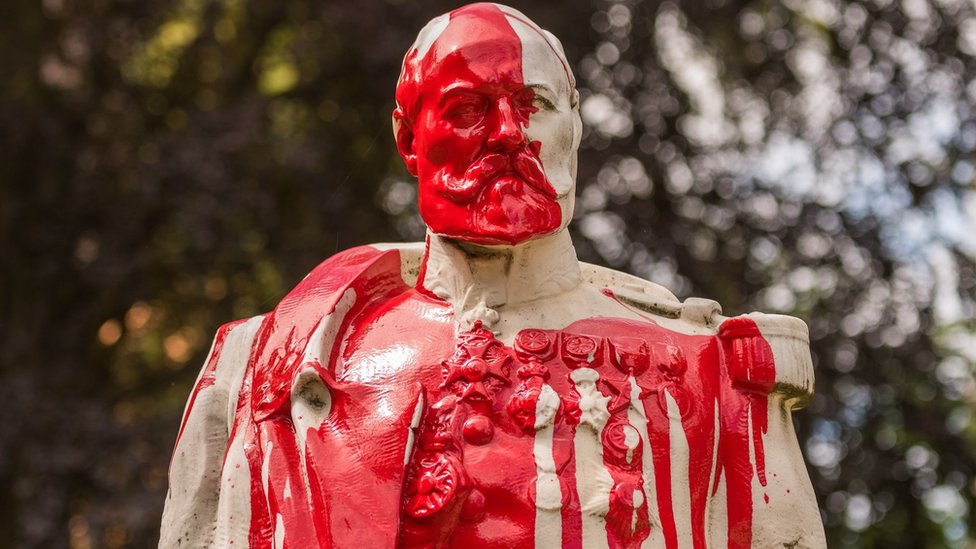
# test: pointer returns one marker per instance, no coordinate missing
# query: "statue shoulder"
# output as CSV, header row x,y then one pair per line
x,y
788,337
300,332
411,257
318,289
789,341
653,298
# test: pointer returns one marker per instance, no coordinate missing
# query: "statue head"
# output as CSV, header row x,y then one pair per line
x,y
487,119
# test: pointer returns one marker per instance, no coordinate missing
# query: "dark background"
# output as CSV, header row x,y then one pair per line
x,y
167,166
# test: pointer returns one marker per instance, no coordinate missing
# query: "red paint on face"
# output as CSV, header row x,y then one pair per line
x,y
481,179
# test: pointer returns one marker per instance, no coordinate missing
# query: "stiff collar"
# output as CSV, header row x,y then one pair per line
x,y
477,283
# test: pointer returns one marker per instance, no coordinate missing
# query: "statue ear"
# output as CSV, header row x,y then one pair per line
x,y
404,140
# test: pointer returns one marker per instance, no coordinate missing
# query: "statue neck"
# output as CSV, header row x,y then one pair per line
x,y
480,282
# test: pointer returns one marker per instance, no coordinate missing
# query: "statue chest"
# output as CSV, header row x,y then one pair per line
x,y
607,432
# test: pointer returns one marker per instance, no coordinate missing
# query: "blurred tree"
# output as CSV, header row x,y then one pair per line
x,y
172,165
821,155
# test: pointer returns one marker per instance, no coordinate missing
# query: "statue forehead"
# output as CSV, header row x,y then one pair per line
x,y
497,38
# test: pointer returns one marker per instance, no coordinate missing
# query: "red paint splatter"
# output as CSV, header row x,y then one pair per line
x,y
209,374
335,463
733,372
563,452
354,461
422,273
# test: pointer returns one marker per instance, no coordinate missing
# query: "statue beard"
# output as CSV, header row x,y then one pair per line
x,y
508,197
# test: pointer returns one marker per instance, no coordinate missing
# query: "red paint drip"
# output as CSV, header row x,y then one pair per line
x,y
286,497
209,374
422,274
685,367
563,452
263,419
659,437
260,533
749,362
355,460
623,531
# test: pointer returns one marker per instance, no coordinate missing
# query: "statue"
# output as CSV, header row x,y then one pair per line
x,y
485,388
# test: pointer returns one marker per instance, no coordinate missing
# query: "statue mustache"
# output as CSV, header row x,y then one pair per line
x,y
523,163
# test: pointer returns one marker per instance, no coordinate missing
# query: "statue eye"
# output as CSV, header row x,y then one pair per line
x,y
542,103
465,111
529,102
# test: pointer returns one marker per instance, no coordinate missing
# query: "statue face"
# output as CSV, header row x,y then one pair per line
x,y
493,142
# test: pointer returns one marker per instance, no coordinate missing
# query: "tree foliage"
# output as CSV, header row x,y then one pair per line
x,y
172,165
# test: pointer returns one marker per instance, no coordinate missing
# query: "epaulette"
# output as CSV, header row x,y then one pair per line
x,y
292,336
653,298
788,337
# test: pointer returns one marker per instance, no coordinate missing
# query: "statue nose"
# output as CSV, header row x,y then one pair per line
x,y
507,134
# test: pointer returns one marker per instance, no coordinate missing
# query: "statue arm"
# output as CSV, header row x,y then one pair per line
x,y
190,512
790,517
